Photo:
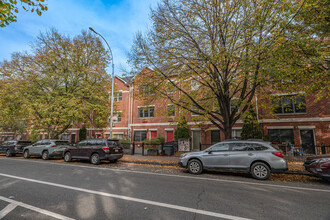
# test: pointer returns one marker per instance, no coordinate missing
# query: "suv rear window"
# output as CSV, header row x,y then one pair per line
x,y
259,147
113,143
241,147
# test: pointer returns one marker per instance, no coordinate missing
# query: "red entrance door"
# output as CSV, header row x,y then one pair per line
x,y
153,134
169,136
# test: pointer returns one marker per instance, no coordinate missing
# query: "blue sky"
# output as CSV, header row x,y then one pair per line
x,y
116,20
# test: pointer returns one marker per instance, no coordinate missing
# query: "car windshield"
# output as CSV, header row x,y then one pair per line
x,y
61,142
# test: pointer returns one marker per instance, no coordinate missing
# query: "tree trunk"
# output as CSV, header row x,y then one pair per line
x,y
228,130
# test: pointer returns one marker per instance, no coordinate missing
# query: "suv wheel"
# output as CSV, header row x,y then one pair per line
x,y
26,154
67,157
260,171
95,159
195,167
8,154
45,155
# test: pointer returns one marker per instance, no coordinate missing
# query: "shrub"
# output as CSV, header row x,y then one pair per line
x,y
182,131
251,127
156,140
126,143
34,136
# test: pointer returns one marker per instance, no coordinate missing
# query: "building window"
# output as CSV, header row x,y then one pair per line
x,y
236,134
234,104
117,96
118,136
195,110
215,136
170,88
146,112
289,104
170,110
194,84
65,137
118,115
281,135
140,135
145,90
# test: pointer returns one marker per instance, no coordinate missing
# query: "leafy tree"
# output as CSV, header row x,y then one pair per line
x,y
182,130
251,127
34,136
63,81
12,113
218,54
8,9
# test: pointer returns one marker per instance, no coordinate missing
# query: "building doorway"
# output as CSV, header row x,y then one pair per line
x,y
153,134
196,140
169,136
307,141
73,138
215,136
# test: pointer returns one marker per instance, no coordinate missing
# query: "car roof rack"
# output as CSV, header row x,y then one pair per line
x,y
232,140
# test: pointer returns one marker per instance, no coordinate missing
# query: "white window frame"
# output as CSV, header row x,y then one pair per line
x,y
118,96
170,105
149,107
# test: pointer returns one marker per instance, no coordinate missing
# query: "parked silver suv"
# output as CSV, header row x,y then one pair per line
x,y
46,148
256,157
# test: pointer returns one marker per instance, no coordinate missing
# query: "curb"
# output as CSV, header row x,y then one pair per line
x,y
150,163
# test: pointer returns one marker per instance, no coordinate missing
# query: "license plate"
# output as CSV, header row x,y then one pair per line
x,y
116,150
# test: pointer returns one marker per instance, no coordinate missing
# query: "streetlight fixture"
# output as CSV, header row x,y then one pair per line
x,y
113,79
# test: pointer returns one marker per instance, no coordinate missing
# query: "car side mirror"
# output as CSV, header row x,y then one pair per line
x,y
209,152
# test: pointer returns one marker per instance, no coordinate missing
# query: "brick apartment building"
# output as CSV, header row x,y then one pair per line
x,y
308,125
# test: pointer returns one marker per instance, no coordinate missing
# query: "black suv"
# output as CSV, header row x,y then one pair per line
x,y
13,147
95,150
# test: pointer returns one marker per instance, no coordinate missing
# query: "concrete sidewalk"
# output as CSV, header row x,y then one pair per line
x,y
152,160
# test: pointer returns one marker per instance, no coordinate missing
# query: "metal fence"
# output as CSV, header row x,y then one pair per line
x,y
298,150
144,149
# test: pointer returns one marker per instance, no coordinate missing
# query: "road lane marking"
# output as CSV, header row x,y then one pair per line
x,y
179,176
10,207
132,199
15,203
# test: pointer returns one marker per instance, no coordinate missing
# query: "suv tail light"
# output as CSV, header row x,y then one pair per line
x,y
279,154
54,145
106,149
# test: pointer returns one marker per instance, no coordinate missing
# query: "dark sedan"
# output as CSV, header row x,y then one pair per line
x,y
95,150
13,147
319,165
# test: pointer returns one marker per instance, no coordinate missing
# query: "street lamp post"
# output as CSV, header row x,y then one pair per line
x,y
113,78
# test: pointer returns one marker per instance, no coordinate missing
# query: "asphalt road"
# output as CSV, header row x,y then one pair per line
x,y
37,189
